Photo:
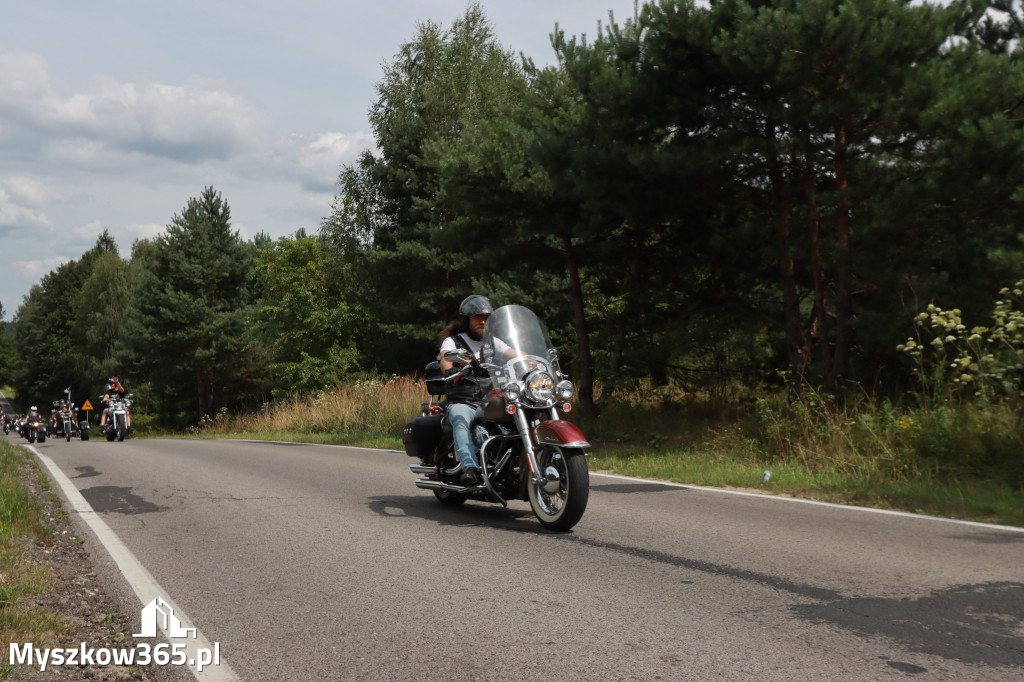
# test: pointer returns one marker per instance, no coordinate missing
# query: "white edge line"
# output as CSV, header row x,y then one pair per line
x,y
832,505
727,491
142,582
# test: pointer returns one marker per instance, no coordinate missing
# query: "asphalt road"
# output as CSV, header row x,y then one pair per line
x,y
313,562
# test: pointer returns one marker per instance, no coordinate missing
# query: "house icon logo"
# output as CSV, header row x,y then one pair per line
x,y
159,614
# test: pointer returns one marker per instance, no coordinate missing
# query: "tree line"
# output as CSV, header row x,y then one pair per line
x,y
755,193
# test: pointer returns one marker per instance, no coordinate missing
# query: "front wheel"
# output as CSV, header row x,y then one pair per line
x,y
121,428
560,500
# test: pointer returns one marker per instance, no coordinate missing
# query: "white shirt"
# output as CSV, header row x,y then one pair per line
x,y
500,347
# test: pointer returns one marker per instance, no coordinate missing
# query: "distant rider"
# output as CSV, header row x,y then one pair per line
x,y
31,415
58,418
113,389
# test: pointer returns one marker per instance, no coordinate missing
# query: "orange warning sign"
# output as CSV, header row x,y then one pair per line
x,y
87,405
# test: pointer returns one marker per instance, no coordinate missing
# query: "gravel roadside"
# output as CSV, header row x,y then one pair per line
x,y
92,616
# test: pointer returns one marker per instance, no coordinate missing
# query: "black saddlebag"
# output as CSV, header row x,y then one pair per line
x,y
421,436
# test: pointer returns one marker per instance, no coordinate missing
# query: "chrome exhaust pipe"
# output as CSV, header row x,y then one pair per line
x,y
450,487
421,468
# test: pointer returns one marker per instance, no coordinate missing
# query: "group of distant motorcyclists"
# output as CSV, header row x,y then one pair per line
x,y
65,412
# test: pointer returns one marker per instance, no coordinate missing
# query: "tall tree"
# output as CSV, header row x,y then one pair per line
x,y
102,307
439,85
192,309
310,330
829,109
50,355
7,356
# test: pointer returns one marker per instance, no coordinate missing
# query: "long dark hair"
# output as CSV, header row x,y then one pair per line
x,y
451,329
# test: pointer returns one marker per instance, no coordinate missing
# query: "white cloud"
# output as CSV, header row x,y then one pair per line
x,y
143,230
320,157
192,122
27,190
37,268
88,231
14,215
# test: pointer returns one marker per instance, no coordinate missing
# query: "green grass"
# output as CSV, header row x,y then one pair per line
x,y
21,526
956,460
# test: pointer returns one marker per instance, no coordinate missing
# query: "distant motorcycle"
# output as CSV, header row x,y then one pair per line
x,y
67,422
34,429
117,418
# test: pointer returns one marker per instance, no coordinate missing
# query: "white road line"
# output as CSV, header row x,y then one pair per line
x,y
727,491
146,587
833,505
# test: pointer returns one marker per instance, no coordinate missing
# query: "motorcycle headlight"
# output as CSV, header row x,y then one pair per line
x,y
565,389
512,391
540,387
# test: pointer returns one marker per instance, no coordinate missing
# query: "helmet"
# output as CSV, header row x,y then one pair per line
x,y
474,305
34,409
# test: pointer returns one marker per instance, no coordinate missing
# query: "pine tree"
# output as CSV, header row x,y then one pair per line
x,y
192,310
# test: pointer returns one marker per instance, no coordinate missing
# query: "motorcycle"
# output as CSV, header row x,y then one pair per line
x,y
525,449
117,418
34,429
67,423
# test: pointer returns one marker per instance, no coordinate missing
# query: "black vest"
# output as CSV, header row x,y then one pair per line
x,y
472,388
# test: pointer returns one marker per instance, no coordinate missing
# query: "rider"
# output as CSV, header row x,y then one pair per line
x,y
113,389
32,414
466,393
58,419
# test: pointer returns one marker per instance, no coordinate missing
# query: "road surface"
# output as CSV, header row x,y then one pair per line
x,y
308,562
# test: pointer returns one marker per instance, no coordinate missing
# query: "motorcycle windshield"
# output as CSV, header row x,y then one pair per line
x,y
515,343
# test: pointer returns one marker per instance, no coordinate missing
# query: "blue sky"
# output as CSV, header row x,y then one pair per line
x,y
113,113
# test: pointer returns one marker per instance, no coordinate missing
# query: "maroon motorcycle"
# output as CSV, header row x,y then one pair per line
x,y
526,451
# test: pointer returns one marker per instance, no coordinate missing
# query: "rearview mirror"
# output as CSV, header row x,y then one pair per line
x,y
458,357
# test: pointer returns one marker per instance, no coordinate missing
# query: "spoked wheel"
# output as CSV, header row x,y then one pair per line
x,y
559,502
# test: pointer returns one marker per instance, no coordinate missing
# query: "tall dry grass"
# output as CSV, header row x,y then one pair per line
x,y
367,410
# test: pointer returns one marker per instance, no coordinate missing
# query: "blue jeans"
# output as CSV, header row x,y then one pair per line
x,y
461,417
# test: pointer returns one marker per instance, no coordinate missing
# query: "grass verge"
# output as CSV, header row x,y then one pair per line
x,y
21,526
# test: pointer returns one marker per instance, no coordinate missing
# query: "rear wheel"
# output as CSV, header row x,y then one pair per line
x,y
448,498
449,460
561,499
